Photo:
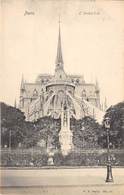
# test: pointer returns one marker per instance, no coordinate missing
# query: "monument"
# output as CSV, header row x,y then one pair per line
x,y
65,135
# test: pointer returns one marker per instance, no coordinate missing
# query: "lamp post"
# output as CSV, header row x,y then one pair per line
x,y
109,177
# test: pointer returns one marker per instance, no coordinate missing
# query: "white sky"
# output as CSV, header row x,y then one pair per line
x,y
93,44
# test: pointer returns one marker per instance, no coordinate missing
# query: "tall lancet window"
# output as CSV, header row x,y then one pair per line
x,y
35,93
84,93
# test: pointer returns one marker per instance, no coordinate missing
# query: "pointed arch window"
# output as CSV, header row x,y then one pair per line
x,y
84,93
88,99
77,81
42,81
35,92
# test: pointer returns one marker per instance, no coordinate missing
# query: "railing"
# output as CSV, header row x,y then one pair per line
x,y
34,157
30,150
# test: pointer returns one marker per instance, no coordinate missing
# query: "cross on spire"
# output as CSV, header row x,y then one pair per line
x,y
59,20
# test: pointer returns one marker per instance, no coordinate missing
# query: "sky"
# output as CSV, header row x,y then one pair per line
x,y
92,35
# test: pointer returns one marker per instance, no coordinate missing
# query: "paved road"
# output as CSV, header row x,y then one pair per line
x,y
62,181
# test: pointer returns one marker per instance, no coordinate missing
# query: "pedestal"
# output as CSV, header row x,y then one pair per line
x,y
109,177
50,161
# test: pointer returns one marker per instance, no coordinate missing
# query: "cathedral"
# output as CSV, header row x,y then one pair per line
x,y
50,94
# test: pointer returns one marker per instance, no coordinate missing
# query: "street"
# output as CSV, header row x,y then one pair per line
x,y
82,181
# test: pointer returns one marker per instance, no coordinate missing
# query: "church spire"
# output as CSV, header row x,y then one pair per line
x,y
15,104
22,84
97,85
105,104
59,57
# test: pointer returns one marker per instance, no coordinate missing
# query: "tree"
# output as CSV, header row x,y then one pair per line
x,y
47,129
116,115
85,132
15,129
12,121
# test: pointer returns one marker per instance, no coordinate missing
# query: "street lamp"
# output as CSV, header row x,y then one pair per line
x,y
109,177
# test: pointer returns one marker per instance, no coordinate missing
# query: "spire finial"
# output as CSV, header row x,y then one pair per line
x,y
97,84
22,83
59,27
59,20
